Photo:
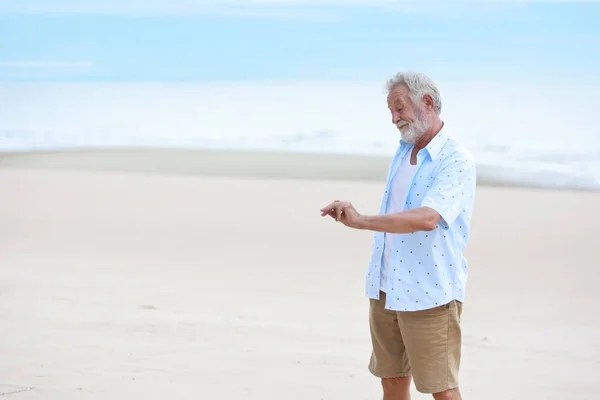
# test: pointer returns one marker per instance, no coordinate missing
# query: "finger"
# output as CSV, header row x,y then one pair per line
x,y
346,210
327,210
338,212
332,213
327,207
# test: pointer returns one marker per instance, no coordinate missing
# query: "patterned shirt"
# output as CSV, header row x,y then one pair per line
x,y
427,268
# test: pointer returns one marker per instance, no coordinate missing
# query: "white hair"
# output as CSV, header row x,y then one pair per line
x,y
419,85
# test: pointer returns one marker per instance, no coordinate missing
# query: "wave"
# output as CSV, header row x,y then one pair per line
x,y
514,165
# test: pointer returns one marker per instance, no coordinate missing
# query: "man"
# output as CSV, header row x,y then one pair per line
x,y
417,274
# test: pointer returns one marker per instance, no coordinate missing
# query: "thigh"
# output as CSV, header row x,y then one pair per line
x,y
388,357
433,344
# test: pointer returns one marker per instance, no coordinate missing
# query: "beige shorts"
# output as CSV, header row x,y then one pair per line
x,y
423,344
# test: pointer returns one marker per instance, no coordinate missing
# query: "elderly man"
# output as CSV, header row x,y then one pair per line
x,y
417,274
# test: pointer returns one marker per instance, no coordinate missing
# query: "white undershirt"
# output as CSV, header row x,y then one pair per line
x,y
395,203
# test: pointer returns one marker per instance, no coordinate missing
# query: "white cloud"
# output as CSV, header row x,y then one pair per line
x,y
45,64
231,6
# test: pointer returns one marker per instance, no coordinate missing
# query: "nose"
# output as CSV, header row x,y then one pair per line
x,y
395,117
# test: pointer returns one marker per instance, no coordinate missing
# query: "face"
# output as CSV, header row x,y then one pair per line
x,y
411,120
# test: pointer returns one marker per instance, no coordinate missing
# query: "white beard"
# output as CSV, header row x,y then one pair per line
x,y
411,133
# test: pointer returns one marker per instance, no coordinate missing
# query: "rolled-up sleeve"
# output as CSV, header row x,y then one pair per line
x,y
452,189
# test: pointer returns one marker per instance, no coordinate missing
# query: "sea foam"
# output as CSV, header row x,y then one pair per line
x,y
518,134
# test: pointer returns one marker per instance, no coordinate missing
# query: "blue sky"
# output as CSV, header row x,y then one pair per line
x,y
287,40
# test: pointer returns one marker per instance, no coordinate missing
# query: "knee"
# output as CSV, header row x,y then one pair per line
x,y
394,385
452,394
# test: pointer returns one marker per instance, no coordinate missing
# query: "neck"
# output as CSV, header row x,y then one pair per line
x,y
429,134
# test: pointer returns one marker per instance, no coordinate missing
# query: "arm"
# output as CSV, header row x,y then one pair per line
x,y
418,219
451,190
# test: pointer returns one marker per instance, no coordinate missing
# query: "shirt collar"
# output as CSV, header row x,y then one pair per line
x,y
434,147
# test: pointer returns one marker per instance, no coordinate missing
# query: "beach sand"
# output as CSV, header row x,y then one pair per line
x,y
191,278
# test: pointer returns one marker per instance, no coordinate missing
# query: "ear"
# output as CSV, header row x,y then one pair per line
x,y
428,101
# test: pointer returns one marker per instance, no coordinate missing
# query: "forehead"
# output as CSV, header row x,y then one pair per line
x,y
398,95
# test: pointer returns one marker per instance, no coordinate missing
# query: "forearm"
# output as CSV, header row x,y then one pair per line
x,y
415,220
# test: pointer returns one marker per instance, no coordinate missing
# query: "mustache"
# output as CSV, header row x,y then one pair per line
x,y
402,123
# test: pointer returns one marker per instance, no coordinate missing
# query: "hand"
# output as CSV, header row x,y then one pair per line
x,y
344,212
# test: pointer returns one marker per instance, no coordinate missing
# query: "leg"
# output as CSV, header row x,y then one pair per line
x,y
396,388
452,394
389,360
433,344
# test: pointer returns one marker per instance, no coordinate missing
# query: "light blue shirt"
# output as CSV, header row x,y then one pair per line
x,y
428,268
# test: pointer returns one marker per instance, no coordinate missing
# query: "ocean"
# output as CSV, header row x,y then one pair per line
x,y
520,134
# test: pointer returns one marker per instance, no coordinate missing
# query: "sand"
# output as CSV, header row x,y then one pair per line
x,y
125,284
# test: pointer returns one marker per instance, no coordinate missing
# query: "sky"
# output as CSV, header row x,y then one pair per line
x,y
520,79
297,40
